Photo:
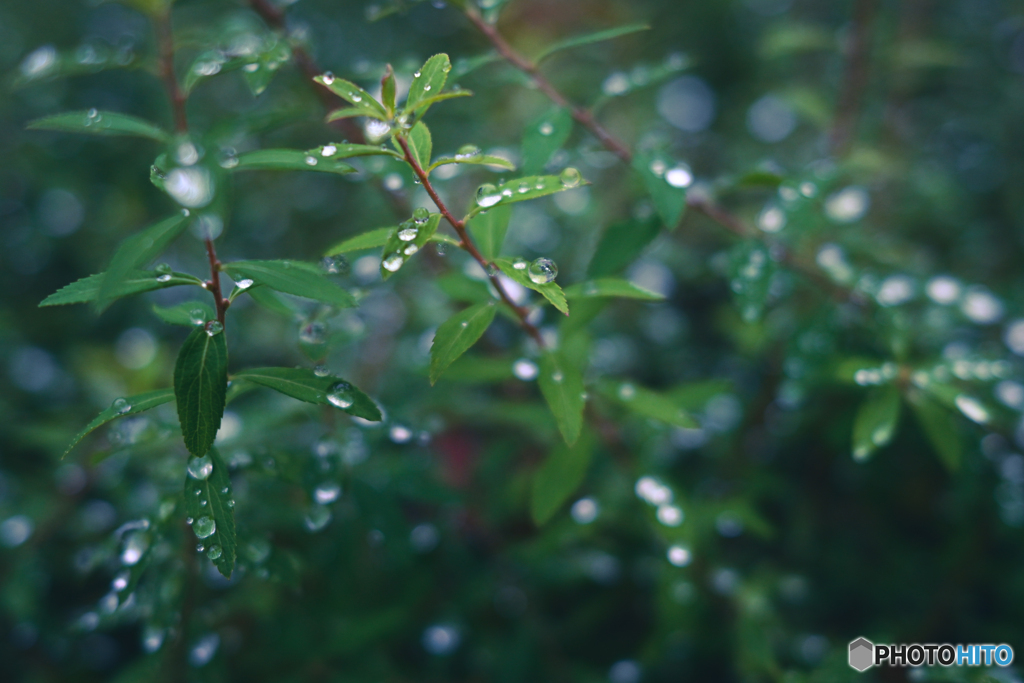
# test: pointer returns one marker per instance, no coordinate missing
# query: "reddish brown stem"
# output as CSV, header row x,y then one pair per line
x,y
165,40
467,244
213,284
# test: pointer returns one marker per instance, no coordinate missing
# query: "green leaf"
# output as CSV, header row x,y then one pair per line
x,y
200,387
272,301
561,383
751,268
206,65
406,240
88,288
387,89
478,159
523,189
649,404
620,245
695,395
305,385
518,271
940,428
420,144
589,38
368,240
657,169
559,477
458,287
135,251
428,82
259,73
132,405
347,150
652,76
184,313
479,370
455,335
289,160
875,424
291,277
488,230
610,287
360,100
427,102
94,122
544,136
209,505
466,65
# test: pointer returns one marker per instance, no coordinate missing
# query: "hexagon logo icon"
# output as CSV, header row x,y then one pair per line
x,y
862,653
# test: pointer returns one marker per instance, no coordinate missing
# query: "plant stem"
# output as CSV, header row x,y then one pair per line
x,y
213,284
467,244
855,78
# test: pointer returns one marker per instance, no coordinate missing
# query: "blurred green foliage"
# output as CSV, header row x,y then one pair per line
x,y
784,410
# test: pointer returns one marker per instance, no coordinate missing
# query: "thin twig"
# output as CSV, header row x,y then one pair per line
x,y
165,39
855,78
467,244
213,284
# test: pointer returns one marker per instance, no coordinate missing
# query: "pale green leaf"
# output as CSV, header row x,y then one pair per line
x,y
289,160
421,145
291,277
347,150
519,269
95,122
620,245
405,241
610,287
427,82
360,100
477,159
457,334
367,240
523,189
488,230
940,428
131,405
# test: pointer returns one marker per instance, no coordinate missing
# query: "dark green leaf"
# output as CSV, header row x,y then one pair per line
x,y
209,506
122,407
428,82
94,122
88,288
291,277
750,273
610,287
523,189
405,241
185,313
519,269
289,160
589,38
259,73
620,245
561,383
455,335
940,428
488,230
354,95
305,385
559,477
876,421
137,250
657,170
207,64
477,369
544,136
200,385
649,404
271,300
695,395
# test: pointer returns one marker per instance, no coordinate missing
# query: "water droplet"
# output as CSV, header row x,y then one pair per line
x,y
310,160
441,248
204,527
203,650
200,468
321,371
317,518
197,317
341,395
557,377
120,581
523,188
487,195
570,177
328,150
231,503
244,283
585,510
416,74
200,547
393,262
356,97
426,88
186,154
213,328
121,406
191,187
152,639
467,152
188,520
546,128
410,250
627,392
376,130
327,493
658,167
420,215
679,556
251,68
214,552
525,369
334,265
543,271
327,78
520,264
407,234
203,503
507,192
972,408
492,270
680,176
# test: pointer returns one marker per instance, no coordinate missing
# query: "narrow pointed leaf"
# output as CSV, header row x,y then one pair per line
x,y
620,245
488,230
259,73
132,406
291,277
387,89
101,123
305,385
272,301
940,428
876,421
207,64
87,289
466,65
290,160
544,136
589,39
429,81
530,187
559,477
200,387
649,404
457,334
347,150
610,287
750,273
428,102
185,312
477,159
136,251
367,240
656,170
518,270
561,383
405,241
208,503
356,96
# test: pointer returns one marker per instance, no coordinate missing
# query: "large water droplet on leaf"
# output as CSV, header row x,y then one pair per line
x,y
204,527
487,195
200,468
543,271
327,492
121,406
570,177
341,395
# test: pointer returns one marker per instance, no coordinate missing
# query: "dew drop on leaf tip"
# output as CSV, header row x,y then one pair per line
x,y
542,271
341,395
570,177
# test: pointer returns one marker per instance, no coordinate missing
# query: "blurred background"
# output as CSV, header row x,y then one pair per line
x,y
751,549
